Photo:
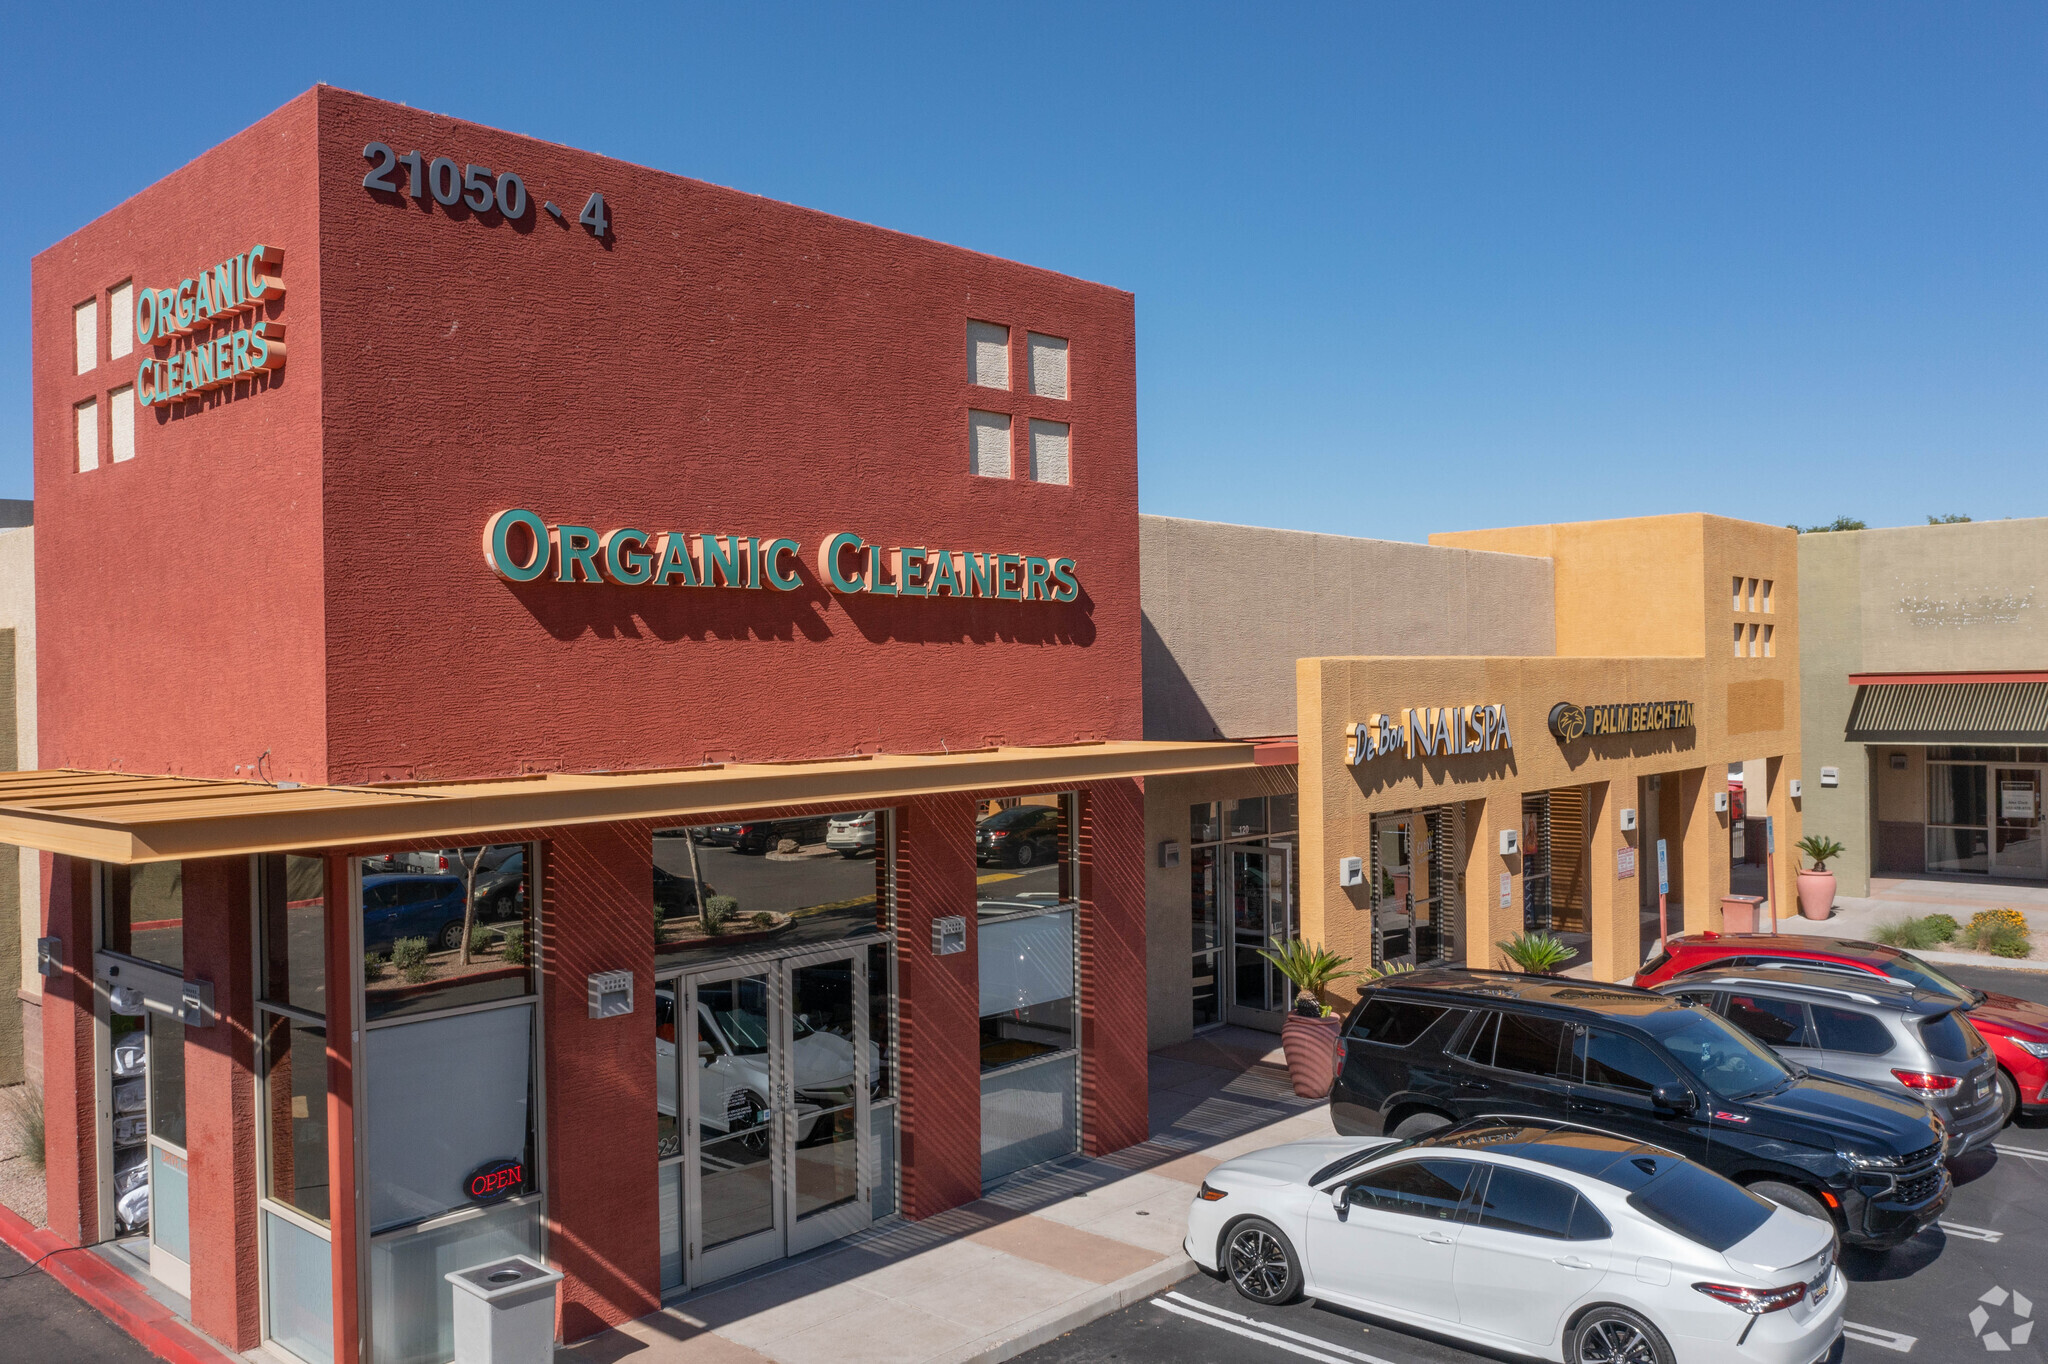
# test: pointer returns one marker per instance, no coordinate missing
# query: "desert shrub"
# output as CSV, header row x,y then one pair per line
x,y
515,945
718,909
1991,933
1909,933
1537,953
2012,918
27,1102
480,939
373,965
409,955
1943,926
763,919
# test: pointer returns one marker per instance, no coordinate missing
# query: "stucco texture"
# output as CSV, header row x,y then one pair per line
x,y
1943,599
20,1041
1228,609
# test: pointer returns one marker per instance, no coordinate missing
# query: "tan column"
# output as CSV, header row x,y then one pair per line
x,y
1486,921
1785,823
1703,836
1611,902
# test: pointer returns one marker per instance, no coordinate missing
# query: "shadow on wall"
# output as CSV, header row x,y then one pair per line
x,y
1375,777
1615,748
1173,709
569,610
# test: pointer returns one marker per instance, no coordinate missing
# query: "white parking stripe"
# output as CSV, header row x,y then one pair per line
x,y
1259,1336
1873,1335
2020,1151
1972,1233
1256,1324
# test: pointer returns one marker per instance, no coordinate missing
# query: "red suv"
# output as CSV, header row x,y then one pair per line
x,y
2017,1029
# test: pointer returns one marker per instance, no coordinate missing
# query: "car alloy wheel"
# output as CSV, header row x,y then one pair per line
x,y
1261,1265
1614,1335
1026,854
2008,1097
451,936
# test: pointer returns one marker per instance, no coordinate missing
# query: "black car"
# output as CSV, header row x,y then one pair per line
x,y
761,835
676,896
1019,836
1430,1048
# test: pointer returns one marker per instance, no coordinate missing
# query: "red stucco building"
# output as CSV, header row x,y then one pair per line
x,y
354,819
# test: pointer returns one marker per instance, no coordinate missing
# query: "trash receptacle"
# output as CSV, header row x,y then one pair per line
x,y
1739,913
505,1312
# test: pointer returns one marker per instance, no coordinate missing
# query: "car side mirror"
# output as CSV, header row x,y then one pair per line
x,y
1674,1098
704,1052
1341,1197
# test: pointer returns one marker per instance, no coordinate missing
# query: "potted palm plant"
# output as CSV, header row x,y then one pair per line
x,y
1817,886
1538,953
1309,1036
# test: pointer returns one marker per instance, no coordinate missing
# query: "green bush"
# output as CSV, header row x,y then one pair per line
x,y
480,939
1942,927
373,965
515,945
409,955
717,910
2000,939
1909,933
1536,953
763,919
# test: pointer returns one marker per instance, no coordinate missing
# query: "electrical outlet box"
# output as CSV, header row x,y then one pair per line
x,y
1720,802
1169,853
1510,842
949,935
1830,776
49,956
611,994
1350,871
195,1005
1798,788
1628,819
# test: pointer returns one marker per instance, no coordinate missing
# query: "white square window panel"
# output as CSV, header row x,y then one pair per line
x,y
988,439
120,320
1049,452
1048,366
988,354
85,332
88,415
121,427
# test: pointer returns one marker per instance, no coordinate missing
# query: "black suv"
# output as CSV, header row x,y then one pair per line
x,y
1426,1049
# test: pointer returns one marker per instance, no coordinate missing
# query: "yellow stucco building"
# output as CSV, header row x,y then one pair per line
x,y
1448,802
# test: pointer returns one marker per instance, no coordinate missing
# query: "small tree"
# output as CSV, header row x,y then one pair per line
x,y
1821,850
471,859
1308,967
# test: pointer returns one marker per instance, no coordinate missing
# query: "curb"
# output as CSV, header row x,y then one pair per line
x,y
1057,1321
109,1292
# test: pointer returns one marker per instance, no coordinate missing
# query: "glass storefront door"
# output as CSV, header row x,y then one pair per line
x,y
2017,846
1261,911
776,1065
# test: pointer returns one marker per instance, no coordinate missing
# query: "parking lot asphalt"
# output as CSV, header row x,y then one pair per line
x,y
1970,1287
40,1320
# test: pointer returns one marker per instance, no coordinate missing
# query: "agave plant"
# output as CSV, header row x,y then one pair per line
x,y
1309,967
1822,850
1536,953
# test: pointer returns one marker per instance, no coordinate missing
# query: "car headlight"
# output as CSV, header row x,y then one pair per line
x,y
2039,1049
1864,1162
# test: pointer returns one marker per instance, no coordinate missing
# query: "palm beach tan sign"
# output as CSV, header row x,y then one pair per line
x,y
1571,723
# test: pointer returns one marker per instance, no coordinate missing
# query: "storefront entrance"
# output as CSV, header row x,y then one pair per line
x,y
1261,913
1411,873
2017,848
774,1060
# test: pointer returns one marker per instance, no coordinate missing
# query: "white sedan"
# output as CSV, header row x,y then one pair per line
x,y
1528,1236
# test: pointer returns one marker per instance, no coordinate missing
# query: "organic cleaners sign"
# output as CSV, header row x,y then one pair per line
x,y
520,547
218,315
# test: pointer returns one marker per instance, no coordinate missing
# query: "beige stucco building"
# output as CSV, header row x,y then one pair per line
x,y
1450,658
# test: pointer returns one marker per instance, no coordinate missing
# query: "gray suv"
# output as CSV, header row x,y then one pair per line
x,y
1880,1031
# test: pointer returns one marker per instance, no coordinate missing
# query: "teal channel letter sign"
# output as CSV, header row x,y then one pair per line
x,y
521,547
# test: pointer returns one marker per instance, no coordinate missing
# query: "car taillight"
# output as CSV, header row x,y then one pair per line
x,y
1755,1301
1209,1195
441,862
1339,1055
1926,1082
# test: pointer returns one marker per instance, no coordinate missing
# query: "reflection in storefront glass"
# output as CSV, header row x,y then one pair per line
x,y
446,928
295,1075
735,1172
145,912
766,885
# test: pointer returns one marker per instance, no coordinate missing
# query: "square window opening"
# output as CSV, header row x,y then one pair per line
x,y
988,354
85,330
1049,452
88,424
988,444
121,319
1048,365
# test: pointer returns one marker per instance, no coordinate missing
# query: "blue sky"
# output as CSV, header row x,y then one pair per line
x,y
1398,268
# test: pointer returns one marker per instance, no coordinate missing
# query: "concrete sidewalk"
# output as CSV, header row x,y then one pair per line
x,y
1045,1252
1894,898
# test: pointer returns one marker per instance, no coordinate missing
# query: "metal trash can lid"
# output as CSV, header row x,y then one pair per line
x,y
515,1275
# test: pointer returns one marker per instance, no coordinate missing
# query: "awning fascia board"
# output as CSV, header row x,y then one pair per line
x,y
139,819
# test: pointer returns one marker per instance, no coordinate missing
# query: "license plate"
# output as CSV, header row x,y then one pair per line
x,y
1983,1089
1827,1285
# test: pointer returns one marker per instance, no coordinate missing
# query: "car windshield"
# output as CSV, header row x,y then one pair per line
x,y
1719,1055
1908,967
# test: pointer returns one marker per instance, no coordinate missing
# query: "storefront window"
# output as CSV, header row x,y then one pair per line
x,y
772,884
1284,813
1205,822
446,928
1244,818
1205,934
144,910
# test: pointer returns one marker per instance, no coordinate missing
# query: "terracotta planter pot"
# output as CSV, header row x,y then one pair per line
x,y
1311,1047
1816,894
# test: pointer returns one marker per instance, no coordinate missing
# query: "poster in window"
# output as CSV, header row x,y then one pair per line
x,y
2018,800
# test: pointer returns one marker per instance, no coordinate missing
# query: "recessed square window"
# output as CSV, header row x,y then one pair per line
x,y
1767,595
1738,592
85,332
1738,639
988,354
1752,594
1048,365
1769,652
1049,452
121,427
88,418
988,440
1752,641
120,319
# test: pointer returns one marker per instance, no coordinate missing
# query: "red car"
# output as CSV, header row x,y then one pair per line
x,y
2017,1029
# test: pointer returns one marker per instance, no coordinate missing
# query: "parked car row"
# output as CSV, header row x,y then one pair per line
x,y
1020,836
1590,1172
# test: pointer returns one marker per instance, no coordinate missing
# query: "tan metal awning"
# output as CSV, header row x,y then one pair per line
x,y
126,818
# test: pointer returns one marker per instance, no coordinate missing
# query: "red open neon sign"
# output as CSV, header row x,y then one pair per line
x,y
496,1180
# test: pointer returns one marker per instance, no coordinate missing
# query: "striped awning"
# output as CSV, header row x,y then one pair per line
x,y
1950,713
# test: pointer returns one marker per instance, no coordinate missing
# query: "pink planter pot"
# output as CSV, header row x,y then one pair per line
x,y
1816,894
1311,1047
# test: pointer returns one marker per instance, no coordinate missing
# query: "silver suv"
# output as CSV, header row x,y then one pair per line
x,y
1880,1031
